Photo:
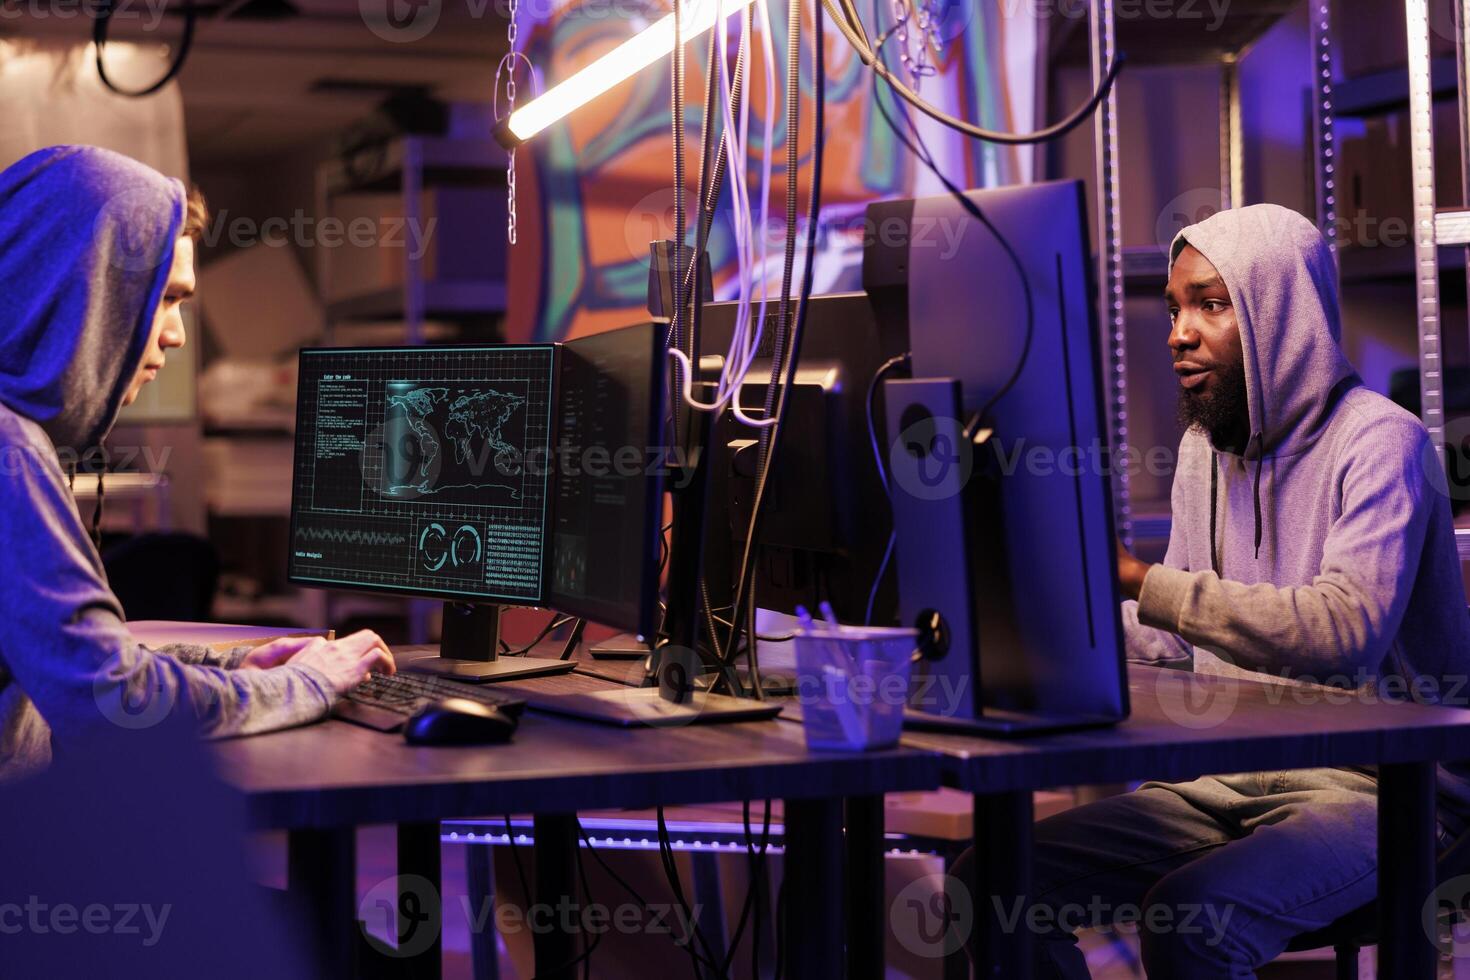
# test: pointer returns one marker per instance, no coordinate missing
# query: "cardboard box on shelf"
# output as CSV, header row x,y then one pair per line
x,y
1376,176
459,236
1373,37
248,477
257,303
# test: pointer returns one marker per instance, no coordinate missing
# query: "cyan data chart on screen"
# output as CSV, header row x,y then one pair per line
x,y
424,470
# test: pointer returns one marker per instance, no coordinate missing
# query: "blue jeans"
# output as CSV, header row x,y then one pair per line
x,y
1218,874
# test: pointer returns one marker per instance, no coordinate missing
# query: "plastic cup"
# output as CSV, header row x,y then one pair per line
x,y
852,683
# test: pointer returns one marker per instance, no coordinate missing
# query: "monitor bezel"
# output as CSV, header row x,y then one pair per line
x,y
645,622
445,595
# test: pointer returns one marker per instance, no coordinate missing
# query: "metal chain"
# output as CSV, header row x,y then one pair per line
x,y
510,92
916,56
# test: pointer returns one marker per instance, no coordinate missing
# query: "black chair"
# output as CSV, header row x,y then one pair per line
x,y
163,575
1359,929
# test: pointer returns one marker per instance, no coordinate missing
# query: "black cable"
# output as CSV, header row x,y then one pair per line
x,y
698,948
845,18
676,71
788,258
515,853
905,358
100,27
591,947
739,933
711,178
783,638
887,366
585,956
608,868
708,198
752,646
747,565
622,882
755,887
557,621
780,928
773,400
878,578
747,904
757,866
926,158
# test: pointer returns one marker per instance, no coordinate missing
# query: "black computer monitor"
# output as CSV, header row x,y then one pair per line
x,y
424,471
486,476
826,518
1000,458
609,470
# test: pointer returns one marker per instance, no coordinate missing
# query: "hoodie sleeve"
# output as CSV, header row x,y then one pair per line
x,y
1145,644
63,638
194,653
1344,621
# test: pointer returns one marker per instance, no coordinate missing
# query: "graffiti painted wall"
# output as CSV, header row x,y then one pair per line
x,y
594,189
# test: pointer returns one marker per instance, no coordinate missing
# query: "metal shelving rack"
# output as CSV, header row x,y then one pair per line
x,y
1118,265
1435,232
1434,229
1102,49
406,166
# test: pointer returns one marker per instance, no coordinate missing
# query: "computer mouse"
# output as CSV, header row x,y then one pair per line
x,y
459,721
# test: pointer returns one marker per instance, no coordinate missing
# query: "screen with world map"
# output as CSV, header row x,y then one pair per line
x,y
424,470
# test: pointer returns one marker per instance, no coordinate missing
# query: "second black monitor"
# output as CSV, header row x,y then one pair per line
x,y
609,462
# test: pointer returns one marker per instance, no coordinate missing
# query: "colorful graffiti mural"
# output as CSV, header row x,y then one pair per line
x,y
594,190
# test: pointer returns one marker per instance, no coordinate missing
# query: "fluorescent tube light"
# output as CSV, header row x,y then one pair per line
x,y
619,64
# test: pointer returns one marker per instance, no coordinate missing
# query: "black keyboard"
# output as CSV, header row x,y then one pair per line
x,y
385,703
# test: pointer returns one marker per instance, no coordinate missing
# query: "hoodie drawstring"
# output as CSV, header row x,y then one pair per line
x,y
96,528
1214,506
1260,458
71,484
1215,502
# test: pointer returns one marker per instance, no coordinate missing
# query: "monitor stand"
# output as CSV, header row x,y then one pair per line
x,y
469,650
624,646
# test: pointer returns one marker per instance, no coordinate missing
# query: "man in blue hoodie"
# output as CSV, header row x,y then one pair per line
x,y
96,257
1310,545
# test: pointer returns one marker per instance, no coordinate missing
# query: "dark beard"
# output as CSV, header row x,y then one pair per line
x,y
1223,414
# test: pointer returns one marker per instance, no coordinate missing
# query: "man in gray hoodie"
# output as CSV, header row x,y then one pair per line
x,y
1311,544
96,256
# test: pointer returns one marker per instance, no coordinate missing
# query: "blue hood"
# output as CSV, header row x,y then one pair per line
x,y
86,243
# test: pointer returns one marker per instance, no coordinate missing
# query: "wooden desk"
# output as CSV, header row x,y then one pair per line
x,y
1186,725
321,781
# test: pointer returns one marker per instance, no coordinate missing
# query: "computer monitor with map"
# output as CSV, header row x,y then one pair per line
x,y
425,471
486,476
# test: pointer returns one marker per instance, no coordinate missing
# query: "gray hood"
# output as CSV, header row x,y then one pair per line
x,y
1282,282
1283,285
86,242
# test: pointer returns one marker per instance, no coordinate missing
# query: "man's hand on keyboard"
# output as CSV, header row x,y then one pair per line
x,y
346,662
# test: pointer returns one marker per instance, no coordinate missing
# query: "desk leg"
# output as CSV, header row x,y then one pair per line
x,y
479,862
815,890
709,901
1406,858
421,907
1003,842
555,890
866,924
321,876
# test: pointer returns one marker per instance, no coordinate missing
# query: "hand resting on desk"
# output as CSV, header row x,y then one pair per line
x,y
345,662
